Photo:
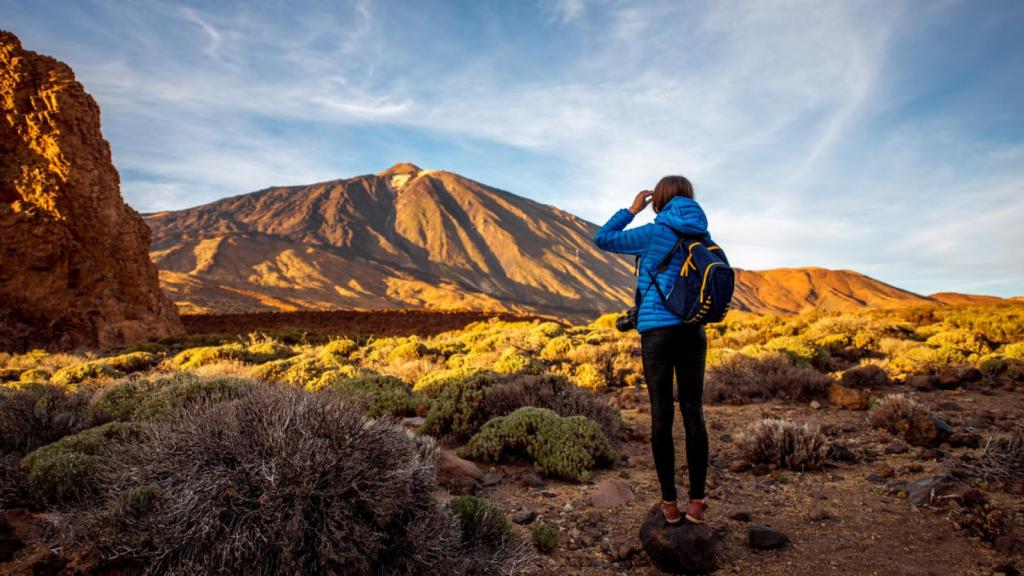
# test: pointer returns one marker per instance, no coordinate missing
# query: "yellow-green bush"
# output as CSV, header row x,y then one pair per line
x,y
589,376
545,537
1014,351
803,352
406,351
431,384
557,349
141,399
566,447
113,367
960,341
34,375
481,519
256,353
378,395
513,361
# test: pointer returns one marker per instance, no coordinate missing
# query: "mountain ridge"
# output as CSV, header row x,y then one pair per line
x,y
407,237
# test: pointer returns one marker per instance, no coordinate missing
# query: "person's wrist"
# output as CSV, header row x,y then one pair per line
x,y
632,211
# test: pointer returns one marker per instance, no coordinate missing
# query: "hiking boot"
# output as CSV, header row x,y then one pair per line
x,y
695,511
671,511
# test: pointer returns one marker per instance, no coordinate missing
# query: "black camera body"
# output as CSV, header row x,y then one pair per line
x,y
627,322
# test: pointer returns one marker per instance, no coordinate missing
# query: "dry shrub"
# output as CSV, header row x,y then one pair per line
x,y
34,414
1001,461
552,392
905,417
279,481
462,407
739,379
783,443
866,376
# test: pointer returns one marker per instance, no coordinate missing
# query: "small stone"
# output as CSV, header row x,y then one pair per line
x,y
741,516
886,471
815,404
612,493
492,478
740,465
817,515
413,421
896,447
840,453
548,493
765,538
932,454
818,494
725,438
531,480
567,507
524,517
965,440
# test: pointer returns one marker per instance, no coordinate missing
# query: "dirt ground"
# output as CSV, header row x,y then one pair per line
x,y
870,528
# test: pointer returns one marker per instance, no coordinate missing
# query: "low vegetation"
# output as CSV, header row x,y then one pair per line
x,y
137,445
783,443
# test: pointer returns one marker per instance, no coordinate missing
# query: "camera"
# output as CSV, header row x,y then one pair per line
x,y
627,322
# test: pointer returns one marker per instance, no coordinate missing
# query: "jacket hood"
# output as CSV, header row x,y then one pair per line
x,y
683,215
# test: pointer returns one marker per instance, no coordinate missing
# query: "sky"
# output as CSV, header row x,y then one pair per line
x,y
884,137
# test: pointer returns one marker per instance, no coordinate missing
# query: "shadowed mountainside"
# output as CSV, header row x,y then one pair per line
x,y
412,238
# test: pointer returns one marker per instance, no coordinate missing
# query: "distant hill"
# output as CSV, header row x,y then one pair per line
x,y
413,238
956,298
402,238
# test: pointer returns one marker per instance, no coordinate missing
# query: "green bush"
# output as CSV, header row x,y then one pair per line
x,y
340,349
566,447
407,351
142,399
481,520
545,537
64,472
379,395
454,411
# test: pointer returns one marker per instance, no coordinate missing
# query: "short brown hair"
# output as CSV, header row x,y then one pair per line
x,y
668,188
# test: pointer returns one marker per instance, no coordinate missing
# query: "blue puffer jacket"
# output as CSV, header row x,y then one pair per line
x,y
681,215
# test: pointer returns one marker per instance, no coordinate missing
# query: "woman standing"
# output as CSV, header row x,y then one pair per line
x,y
667,344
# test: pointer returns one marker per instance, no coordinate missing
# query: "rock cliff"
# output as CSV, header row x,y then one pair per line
x,y
74,262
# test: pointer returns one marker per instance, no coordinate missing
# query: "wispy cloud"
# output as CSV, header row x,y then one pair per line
x,y
833,134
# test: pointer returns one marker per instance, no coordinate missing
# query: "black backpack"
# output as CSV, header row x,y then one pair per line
x,y
703,291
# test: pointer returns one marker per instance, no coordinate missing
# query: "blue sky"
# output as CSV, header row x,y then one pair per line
x,y
885,137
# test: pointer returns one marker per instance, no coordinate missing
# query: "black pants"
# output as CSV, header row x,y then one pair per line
x,y
679,349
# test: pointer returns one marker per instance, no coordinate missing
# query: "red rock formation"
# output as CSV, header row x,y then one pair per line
x,y
74,262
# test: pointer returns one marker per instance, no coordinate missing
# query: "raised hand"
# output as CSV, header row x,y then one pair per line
x,y
643,198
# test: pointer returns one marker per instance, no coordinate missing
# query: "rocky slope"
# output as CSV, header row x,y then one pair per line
x,y
404,238
412,238
74,264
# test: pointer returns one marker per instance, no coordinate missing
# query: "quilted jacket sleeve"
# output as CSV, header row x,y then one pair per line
x,y
613,238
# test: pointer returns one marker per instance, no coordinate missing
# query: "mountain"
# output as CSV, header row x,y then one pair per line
x,y
413,238
74,263
956,298
404,237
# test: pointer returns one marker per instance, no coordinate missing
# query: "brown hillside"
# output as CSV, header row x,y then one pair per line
x,y
413,238
955,298
792,290
398,239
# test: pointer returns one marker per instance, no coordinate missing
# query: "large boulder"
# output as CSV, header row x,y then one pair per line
x,y
682,548
74,262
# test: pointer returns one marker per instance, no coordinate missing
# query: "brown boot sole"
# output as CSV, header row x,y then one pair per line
x,y
694,520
